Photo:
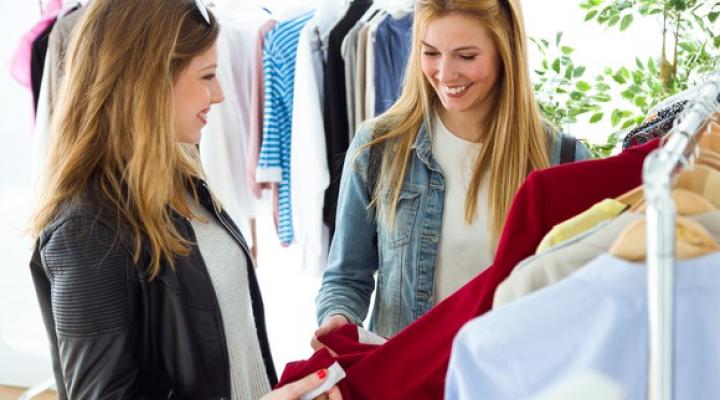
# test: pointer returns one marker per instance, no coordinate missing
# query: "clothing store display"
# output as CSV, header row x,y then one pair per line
x,y
335,108
171,344
309,172
545,269
464,249
596,319
552,265
540,204
392,50
228,269
225,139
279,74
602,211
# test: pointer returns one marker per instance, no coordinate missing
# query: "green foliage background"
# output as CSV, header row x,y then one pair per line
x,y
688,49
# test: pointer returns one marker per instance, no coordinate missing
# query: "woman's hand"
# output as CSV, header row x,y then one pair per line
x,y
293,391
330,324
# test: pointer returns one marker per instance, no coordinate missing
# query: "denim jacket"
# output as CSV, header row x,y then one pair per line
x,y
404,257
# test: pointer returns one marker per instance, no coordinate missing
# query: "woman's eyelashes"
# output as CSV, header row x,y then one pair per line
x,y
466,57
209,77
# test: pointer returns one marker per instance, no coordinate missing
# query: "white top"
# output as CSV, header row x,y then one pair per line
x,y
227,266
464,250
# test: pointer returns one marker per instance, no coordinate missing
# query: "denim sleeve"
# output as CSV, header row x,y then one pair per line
x,y
349,280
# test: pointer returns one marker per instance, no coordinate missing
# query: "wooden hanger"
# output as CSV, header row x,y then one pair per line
x,y
703,179
691,240
687,203
709,158
632,197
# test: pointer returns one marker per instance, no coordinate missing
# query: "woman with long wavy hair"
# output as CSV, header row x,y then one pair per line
x,y
427,185
146,286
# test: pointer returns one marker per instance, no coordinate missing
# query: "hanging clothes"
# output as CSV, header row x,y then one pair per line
x,y
309,172
279,56
551,266
541,203
360,74
225,140
20,63
596,319
57,53
53,72
257,110
348,51
603,211
392,50
656,127
37,62
370,64
335,107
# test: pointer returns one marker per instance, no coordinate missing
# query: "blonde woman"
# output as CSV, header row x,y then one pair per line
x,y
428,184
146,286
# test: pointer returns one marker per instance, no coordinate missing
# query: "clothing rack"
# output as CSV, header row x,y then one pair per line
x,y
658,170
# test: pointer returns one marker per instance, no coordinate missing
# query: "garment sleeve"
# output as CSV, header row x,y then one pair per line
x,y
309,174
90,289
348,280
480,368
269,168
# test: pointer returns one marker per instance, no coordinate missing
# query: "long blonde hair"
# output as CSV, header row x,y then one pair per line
x,y
516,142
113,128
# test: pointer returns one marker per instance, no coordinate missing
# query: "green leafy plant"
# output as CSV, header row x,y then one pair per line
x,y
689,48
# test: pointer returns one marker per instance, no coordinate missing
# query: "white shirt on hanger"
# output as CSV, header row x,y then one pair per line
x,y
309,171
224,142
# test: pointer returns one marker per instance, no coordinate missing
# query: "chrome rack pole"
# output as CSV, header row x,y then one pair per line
x,y
657,174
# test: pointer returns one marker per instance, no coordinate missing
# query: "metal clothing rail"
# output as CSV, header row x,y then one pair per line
x,y
658,169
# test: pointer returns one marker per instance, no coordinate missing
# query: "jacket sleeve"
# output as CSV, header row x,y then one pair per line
x,y
90,287
348,280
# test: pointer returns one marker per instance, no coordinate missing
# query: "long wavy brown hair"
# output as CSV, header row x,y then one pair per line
x,y
113,128
516,143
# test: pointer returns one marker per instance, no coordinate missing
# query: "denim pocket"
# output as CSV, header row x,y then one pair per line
x,y
405,214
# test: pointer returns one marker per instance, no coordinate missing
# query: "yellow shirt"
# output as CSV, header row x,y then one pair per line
x,y
602,211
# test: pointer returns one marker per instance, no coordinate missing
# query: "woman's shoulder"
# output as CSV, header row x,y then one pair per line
x,y
82,217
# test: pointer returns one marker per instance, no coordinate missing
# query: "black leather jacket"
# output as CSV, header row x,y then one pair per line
x,y
116,335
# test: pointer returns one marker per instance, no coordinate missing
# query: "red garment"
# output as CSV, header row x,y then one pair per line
x,y
412,365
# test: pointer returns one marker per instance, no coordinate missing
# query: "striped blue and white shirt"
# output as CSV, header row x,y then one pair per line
x,y
279,54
